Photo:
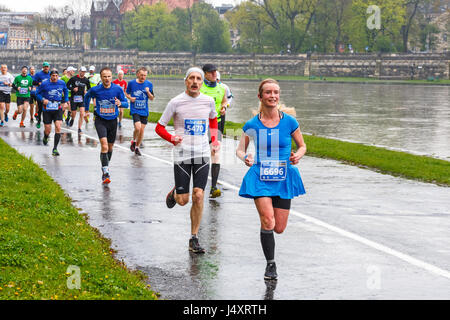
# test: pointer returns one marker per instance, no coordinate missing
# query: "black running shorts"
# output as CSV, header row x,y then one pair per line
x,y
139,118
5,97
22,100
106,128
75,105
197,167
279,203
54,115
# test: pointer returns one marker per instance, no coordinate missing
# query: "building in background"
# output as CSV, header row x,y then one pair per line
x,y
14,33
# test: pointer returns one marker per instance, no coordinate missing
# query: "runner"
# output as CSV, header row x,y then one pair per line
x,y
191,111
228,93
108,98
40,77
272,180
139,91
67,75
94,79
33,101
53,95
22,84
6,81
217,92
78,86
120,81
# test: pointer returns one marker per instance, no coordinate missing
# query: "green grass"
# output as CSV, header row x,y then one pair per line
x,y
41,234
396,163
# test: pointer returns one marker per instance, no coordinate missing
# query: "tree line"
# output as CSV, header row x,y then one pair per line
x,y
271,26
266,26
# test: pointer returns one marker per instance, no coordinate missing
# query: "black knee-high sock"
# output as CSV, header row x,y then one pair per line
x,y
109,155
268,244
215,169
104,159
55,143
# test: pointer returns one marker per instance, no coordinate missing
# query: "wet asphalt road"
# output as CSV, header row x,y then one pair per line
x,y
356,234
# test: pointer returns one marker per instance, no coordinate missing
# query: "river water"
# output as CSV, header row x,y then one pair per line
x,y
413,118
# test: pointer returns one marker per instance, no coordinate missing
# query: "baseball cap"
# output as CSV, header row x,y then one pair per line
x,y
46,64
91,68
209,67
83,69
71,68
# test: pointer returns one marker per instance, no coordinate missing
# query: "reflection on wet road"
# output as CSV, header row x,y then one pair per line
x,y
356,234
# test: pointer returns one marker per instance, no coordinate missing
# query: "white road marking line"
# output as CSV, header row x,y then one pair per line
x,y
374,245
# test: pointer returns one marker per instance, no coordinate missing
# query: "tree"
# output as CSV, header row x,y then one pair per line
x,y
151,28
210,33
248,19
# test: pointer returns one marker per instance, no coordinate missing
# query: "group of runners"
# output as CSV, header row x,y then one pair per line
x,y
198,115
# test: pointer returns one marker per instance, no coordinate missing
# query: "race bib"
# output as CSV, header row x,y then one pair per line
x,y
273,170
139,104
23,90
107,108
195,127
77,99
52,105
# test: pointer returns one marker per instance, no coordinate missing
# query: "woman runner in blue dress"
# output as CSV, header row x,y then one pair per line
x,y
272,180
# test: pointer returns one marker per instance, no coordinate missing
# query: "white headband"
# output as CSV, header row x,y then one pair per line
x,y
194,69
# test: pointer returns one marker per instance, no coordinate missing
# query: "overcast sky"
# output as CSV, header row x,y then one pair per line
x,y
39,5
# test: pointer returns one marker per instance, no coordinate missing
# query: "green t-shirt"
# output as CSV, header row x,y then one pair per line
x,y
217,93
23,85
66,79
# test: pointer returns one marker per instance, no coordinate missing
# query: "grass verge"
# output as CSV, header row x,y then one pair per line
x,y
396,163
42,234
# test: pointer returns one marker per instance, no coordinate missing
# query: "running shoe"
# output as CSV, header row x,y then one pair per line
x,y
55,152
215,192
194,246
120,125
79,131
271,271
15,115
71,122
36,116
6,117
133,146
22,125
1,124
106,178
137,152
45,141
170,199
38,124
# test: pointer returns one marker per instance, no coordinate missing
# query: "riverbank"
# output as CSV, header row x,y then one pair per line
x,y
42,234
395,163
315,79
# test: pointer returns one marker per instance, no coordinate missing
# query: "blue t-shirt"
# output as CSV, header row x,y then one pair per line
x,y
105,103
272,143
137,90
40,77
53,92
